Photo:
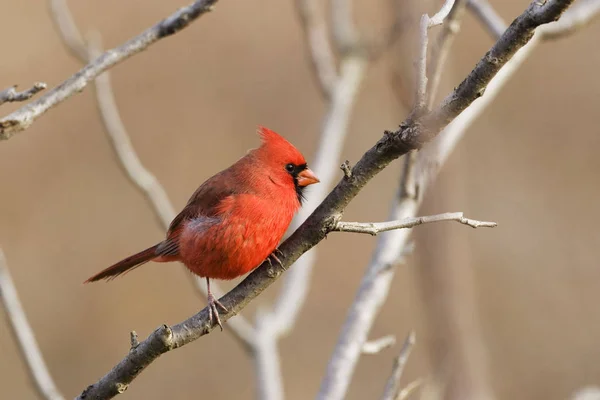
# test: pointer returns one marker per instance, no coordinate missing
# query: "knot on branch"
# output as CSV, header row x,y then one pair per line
x,y
347,169
165,335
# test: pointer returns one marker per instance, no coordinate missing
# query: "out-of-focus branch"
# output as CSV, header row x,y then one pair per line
x,y
36,367
493,22
426,24
22,118
581,14
341,97
318,46
392,387
139,175
373,228
376,346
11,94
441,49
412,134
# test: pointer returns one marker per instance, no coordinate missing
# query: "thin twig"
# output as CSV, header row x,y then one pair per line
x,y
36,367
410,135
137,173
492,21
441,49
22,118
409,389
11,94
376,346
373,228
317,42
392,387
421,65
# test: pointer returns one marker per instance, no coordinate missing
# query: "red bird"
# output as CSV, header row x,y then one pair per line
x,y
234,220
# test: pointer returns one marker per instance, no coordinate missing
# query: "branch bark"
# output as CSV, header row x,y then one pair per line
x,y
373,228
412,134
11,94
22,118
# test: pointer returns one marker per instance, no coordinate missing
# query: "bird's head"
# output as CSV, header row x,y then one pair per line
x,y
285,164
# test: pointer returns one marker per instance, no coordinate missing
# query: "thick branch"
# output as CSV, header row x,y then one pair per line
x,y
24,334
373,228
394,144
11,94
25,116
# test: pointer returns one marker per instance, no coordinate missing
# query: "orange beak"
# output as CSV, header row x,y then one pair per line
x,y
307,177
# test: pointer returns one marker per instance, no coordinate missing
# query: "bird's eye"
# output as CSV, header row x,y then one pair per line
x,y
289,168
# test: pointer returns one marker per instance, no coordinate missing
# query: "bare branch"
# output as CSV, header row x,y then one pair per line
x,y
441,15
376,346
412,134
36,367
376,283
22,118
409,389
138,175
11,94
488,16
441,49
581,14
317,42
426,23
64,23
373,228
392,387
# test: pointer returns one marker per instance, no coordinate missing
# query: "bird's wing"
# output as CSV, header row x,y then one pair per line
x,y
203,203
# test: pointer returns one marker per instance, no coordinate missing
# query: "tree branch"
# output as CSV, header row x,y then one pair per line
x,y
490,18
11,94
22,118
373,228
392,387
36,367
411,134
317,42
137,173
425,25
377,279
376,346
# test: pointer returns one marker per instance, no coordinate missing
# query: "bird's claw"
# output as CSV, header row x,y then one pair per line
x,y
213,311
274,256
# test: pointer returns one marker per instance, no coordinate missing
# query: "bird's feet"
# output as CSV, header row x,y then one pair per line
x,y
273,255
213,311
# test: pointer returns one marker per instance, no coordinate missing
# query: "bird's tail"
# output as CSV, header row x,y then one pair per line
x,y
126,265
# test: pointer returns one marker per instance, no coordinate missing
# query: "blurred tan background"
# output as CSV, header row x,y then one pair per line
x,y
191,104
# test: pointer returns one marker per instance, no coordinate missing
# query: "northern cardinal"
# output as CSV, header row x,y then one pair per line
x,y
235,220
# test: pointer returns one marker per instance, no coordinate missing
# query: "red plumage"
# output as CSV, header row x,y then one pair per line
x,y
235,219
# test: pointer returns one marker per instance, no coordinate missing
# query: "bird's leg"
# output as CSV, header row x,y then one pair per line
x,y
212,306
